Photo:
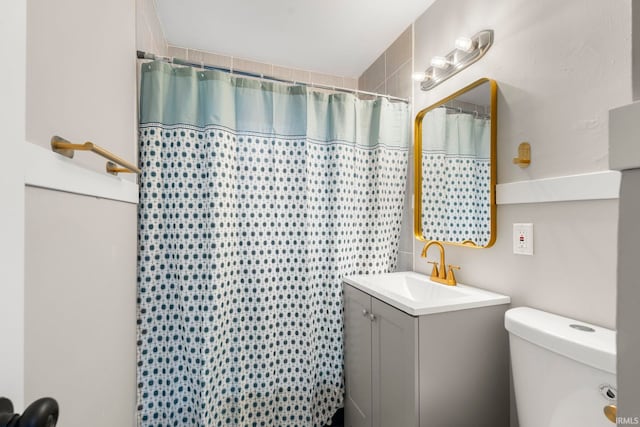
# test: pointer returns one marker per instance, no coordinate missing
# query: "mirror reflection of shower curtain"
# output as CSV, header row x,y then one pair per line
x,y
456,177
256,199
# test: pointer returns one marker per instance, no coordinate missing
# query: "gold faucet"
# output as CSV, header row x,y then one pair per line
x,y
438,272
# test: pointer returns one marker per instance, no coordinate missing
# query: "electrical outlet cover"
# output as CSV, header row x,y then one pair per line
x,y
523,239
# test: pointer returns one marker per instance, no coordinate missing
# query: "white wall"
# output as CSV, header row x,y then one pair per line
x,y
80,280
635,12
560,66
12,122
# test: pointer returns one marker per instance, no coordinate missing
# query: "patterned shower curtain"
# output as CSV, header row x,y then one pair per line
x,y
456,177
256,199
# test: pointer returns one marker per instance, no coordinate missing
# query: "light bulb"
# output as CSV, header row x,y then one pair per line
x,y
465,44
439,62
418,76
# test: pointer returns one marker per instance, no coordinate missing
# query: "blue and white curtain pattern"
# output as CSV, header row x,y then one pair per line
x,y
456,174
256,199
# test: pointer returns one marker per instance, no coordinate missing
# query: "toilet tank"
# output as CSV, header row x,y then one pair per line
x,y
564,370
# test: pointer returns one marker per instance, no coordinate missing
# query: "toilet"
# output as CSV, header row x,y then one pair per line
x,y
564,370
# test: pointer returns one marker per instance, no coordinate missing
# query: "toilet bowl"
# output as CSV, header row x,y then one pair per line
x,y
564,370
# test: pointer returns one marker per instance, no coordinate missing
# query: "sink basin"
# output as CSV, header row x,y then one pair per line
x,y
416,294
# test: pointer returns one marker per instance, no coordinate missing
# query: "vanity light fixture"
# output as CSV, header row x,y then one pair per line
x,y
439,62
465,44
418,76
468,50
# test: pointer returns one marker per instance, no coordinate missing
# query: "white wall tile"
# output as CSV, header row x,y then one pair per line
x,y
254,67
399,52
350,83
326,79
177,52
149,34
199,56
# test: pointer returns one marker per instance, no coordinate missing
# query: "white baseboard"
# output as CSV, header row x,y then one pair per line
x,y
588,186
46,169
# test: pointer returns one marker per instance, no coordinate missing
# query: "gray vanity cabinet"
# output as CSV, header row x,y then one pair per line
x,y
381,363
434,370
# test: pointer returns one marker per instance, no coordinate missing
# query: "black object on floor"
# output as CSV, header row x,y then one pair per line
x,y
41,413
338,419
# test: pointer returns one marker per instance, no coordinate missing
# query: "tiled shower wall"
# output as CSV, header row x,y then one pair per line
x,y
271,70
390,74
149,35
150,38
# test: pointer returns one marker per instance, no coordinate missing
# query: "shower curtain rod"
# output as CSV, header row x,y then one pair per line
x,y
460,110
178,61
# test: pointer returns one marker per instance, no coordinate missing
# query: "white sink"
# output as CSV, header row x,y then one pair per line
x,y
416,295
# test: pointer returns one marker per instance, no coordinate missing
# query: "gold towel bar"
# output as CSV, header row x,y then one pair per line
x,y
66,148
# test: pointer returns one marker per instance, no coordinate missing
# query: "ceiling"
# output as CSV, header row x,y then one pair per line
x,y
338,37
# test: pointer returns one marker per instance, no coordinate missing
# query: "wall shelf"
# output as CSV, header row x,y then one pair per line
x,y
589,186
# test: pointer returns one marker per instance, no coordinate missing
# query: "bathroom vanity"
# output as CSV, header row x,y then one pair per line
x,y
419,353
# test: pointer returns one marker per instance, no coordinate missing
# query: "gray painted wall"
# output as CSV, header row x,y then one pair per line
x,y
80,294
629,297
80,252
560,67
628,269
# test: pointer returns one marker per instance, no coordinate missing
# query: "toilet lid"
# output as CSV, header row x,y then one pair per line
x,y
586,343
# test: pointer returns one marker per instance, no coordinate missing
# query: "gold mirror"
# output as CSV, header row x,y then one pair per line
x,y
455,168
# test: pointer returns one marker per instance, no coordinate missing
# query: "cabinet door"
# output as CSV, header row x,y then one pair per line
x,y
357,358
394,367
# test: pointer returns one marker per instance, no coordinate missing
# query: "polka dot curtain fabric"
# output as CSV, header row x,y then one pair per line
x,y
245,234
456,184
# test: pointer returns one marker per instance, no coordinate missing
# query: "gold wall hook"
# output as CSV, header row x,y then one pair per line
x,y
524,155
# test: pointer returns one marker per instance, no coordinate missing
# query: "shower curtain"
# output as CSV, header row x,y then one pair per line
x,y
256,198
456,177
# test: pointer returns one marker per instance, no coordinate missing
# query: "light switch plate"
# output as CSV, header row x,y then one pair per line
x,y
523,239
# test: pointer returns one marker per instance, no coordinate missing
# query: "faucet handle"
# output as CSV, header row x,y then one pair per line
x,y
451,278
434,270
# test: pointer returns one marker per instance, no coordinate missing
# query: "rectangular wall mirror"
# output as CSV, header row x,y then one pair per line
x,y
455,168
